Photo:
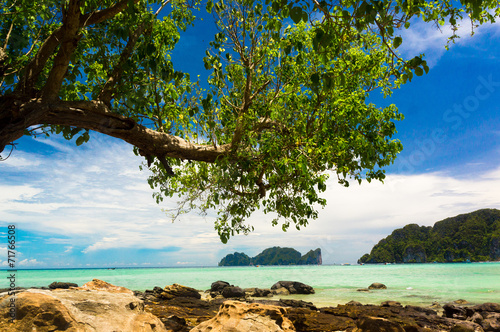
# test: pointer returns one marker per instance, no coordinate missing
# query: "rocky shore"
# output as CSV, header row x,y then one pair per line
x,y
99,306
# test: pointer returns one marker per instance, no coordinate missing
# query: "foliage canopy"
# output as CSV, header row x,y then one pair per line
x,y
287,96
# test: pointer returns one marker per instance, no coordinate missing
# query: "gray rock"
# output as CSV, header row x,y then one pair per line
x,y
232,292
62,285
294,287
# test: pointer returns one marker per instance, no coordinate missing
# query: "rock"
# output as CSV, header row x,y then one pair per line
x,y
294,287
377,285
297,304
353,303
78,311
491,324
362,290
476,318
304,319
378,324
258,292
281,291
218,286
390,304
461,301
466,327
436,305
453,311
233,291
176,290
490,307
99,285
237,316
62,285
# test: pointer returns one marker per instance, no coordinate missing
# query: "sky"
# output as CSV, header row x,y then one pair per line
x,y
91,206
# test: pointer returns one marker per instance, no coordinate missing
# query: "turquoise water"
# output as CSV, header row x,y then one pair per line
x,y
417,284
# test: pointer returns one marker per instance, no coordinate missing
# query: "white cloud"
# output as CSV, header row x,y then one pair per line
x,y
29,263
426,38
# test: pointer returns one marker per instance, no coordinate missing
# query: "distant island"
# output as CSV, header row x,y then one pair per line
x,y
274,256
471,237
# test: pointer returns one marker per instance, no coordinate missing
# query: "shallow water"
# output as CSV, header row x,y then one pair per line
x,y
416,284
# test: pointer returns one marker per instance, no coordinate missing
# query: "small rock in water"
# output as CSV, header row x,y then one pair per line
x,y
461,301
363,290
377,285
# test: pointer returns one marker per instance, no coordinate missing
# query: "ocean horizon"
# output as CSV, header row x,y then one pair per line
x,y
410,284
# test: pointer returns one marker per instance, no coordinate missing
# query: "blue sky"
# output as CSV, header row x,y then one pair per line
x,y
90,206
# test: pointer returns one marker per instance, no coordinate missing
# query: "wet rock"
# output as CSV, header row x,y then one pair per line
x,y
237,316
294,287
377,285
62,285
362,290
461,301
232,292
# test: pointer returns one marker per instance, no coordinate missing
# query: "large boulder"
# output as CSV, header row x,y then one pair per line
x,y
294,287
176,290
218,286
74,310
237,316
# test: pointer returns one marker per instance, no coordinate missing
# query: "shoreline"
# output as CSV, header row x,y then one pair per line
x,y
181,308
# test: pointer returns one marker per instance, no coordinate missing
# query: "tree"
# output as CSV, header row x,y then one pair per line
x,y
287,100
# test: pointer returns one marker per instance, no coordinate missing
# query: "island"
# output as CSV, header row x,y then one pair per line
x,y
470,237
274,256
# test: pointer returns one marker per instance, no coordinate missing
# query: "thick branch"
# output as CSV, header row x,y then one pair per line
x,y
70,27
96,116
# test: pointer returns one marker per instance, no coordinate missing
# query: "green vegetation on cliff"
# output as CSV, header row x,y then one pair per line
x,y
274,256
471,237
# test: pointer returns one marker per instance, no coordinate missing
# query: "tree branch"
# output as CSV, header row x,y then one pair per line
x,y
95,115
104,14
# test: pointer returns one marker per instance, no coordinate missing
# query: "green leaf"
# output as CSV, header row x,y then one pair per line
x,y
397,42
296,14
419,71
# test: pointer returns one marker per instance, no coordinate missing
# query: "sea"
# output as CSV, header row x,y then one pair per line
x,y
409,284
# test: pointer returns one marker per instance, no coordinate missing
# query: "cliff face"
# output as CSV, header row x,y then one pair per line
x,y
274,256
471,237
